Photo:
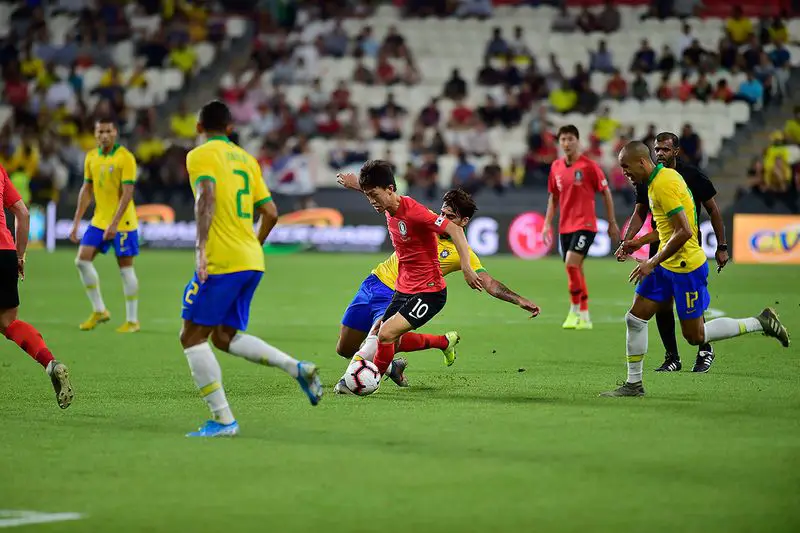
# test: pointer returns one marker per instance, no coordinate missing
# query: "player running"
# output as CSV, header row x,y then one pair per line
x,y
420,289
667,148
679,271
12,270
109,178
229,190
573,182
376,291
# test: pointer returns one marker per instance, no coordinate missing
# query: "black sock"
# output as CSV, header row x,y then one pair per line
x,y
666,328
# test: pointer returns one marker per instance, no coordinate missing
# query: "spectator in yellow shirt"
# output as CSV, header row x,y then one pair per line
x,y
110,78
792,128
150,149
777,172
564,98
605,127
738,26
183,58
183,123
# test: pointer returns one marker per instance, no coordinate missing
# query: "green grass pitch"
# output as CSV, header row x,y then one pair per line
x,y
481,446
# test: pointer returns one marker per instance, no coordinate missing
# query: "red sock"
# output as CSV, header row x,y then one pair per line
x,y
584,293
574,277
29,340
384,357
414,342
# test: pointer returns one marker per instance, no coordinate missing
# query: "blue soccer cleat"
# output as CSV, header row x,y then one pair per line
x,y
214,429
308,378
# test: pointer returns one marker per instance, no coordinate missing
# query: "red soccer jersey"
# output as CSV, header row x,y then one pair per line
x,y
575,186
9,196
414,230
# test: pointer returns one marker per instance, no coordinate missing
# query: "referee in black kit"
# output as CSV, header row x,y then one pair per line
x,y
667,147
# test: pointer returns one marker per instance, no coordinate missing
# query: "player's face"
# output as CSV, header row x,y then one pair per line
x,y
569,143
105,135
380,199
448,213
665,153
633,169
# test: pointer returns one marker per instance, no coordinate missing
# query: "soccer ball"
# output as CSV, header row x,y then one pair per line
x,y
362,377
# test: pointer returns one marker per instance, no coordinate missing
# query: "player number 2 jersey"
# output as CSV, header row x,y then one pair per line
x,y
232,242
108,173
668,195
414,230
449,262
575,187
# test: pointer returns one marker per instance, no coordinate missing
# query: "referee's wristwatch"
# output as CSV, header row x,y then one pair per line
x,y
722,247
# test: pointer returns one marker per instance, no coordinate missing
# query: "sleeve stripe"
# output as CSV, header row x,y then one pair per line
x,y
88,180
204,178
674,211
480,270
262,201
129,182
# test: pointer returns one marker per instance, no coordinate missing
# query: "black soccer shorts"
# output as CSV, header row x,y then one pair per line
x,y
577,241
9,277
418,308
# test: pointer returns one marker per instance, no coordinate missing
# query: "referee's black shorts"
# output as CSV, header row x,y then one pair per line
x,y
9,277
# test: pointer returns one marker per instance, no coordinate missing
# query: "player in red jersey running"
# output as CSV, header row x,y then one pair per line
x,y
574,179
12,270
420,290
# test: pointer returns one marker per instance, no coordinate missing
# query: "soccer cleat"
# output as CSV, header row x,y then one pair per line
x,y
672,363
449,352
572,321
772,326
95,319
703,362
397,372
341,388
308,378
583,324
213,428
59,376
626,389
129,327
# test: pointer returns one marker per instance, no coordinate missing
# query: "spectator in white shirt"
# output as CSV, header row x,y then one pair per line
x,y
684,39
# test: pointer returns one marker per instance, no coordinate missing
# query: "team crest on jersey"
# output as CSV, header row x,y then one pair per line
x,y
578,176
402,227
444,254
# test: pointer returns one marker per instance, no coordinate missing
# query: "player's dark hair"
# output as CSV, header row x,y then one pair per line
x,y
105,119
377,173
668,136
215,116
460,202
569,129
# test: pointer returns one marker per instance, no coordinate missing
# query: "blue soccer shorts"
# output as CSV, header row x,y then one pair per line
x,y
368,305
126,243
690,290
223,300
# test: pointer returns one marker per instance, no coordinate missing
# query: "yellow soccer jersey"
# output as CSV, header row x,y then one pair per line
x,y
669,195
107,173
232,242
449,262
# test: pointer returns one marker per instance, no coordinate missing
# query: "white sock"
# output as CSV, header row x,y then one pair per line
x,y
574,308
130,287
585,316
635,346
91,283
257,351
726,328
207,376
369,348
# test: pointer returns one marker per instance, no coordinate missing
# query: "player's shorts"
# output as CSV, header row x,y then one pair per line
x,y
223,300
577,241
9,277
418,308
368,305
126,243
690,290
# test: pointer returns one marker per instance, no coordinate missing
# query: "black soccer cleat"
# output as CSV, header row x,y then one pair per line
x,y
703,362
397,372
672,363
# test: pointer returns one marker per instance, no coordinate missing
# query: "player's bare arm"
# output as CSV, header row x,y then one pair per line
x,y
269,218
22,224
348,180
718,224
547,236
125,198
456,233
613,228
634,225
204,205
628,247
497,289
682,232
85,197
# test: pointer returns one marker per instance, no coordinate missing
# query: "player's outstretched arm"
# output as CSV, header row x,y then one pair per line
x,y
456,233
125,198
84,201
501,292
269,218
22,224
718,224
204,206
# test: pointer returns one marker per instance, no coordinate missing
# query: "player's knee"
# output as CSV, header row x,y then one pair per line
x,y
695,338
344,350
634,323
221,339
385,336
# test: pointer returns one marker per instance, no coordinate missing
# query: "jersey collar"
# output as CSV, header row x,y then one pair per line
x,y
223,138
654,173
110,152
